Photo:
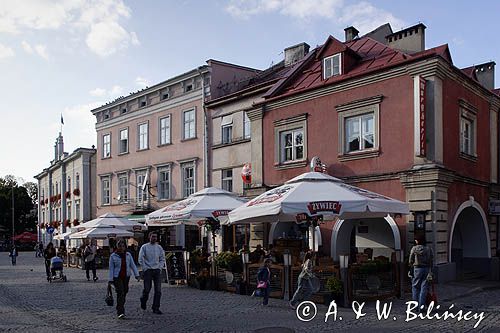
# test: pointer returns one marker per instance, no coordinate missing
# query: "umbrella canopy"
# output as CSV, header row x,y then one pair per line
x,y
102,232
112,220
314,194
210,202
26,237
64,236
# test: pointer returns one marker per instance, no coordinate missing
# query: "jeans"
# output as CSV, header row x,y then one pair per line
x,y
304,291
152,276
14,258
47,267
88,266
121,286
266,292
419,285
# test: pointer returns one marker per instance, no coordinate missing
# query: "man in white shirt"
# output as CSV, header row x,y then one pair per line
x,y
152,260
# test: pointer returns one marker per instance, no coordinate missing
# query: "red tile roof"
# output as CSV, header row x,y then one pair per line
x,y
371,56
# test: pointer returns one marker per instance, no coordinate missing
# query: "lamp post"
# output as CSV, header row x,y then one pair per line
x,y
287,262
13,212
245,258
400,268
186,259
344,267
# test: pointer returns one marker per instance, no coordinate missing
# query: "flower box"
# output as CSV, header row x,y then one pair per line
x,y
76,191
67,195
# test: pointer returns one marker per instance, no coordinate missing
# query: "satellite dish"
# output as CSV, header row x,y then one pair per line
x,y
145,183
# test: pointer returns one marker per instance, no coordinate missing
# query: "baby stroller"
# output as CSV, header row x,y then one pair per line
x,y
56,270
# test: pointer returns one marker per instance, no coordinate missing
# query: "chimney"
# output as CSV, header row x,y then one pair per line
x,y
351,33
295,53
60,147
485,74
409,40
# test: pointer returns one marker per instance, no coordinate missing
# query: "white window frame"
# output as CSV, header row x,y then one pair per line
x,y
329,66
105,190
293,147
469,149
121,140
123,190
354,109
160,183
187,188
143,138
106,145
191,125
247,126
165,132
226,180
141,196
227,133
77,210
362,132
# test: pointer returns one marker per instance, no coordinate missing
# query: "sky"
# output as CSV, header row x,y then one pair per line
x,y
70,56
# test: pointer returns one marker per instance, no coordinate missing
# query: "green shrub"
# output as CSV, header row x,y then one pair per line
x,y
334,285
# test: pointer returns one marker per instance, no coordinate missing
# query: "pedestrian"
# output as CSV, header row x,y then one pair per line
x,y
121,264
40,250
304,286
420,261
89,255
152,260
264,280
49,253
13,254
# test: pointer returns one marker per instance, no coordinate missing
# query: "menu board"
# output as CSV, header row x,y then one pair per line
x,y
175,265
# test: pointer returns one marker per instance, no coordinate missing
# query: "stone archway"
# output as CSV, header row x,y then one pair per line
x,y
469,245
382,236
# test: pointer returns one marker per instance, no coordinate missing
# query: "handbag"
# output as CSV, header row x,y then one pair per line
x,y
431,296
109,296
262,285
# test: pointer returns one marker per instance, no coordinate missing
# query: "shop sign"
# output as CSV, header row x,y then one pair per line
x,y
218,213
246,173
324,206
303,217
494,207
423,146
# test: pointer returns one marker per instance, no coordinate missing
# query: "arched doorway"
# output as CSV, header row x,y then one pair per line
x,y
469,246
380,234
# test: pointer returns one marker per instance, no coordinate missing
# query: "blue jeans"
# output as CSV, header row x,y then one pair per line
x,y
152,276
266,292
304,291
420,285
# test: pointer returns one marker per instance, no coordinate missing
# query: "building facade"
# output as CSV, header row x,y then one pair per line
x,y
152,146
386,114
66,190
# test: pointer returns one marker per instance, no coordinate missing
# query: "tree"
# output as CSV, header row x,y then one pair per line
x,y
32,189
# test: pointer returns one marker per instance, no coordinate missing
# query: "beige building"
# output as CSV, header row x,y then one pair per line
x,y
152,146
66,190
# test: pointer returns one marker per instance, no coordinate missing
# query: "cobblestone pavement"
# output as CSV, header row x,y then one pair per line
x,y
28,303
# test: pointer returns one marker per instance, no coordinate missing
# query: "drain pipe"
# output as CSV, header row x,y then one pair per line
x,y
205,131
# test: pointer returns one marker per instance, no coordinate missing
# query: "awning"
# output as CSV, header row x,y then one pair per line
x,y
226,120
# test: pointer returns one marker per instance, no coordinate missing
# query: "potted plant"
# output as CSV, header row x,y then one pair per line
x,y
75,222
335,287
67,195
76,191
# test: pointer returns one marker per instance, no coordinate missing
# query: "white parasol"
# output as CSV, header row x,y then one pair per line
x,y
102,232
112,220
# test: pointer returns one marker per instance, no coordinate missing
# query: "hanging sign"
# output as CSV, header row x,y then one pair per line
x,y
421,102
317,166
246,173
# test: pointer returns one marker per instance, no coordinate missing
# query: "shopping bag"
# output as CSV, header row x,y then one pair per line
x,y
431,296
109,296
261,285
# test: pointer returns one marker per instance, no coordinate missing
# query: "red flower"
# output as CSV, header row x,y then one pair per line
x,y
75,222
67,194
76,191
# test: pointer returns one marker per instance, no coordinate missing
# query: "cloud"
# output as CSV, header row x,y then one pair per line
x,y
79,125
116,91
41,50
142,82
6,52
98,20
363,15
27,47
98,92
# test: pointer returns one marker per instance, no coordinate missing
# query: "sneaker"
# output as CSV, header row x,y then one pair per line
x,y
121,316
143,304
157,311
95,278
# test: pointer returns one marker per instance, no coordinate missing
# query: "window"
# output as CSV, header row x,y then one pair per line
x,y
165,94
164,183
123,110
68,186
247,129
467,129
77,210
165,130
227,180
187,179
141,195
359,133
188,87
189,124
292,145
123,141
227,133
106,191
77,181
142,102
68,212
106,145
123,187
331,66
467,136
143,136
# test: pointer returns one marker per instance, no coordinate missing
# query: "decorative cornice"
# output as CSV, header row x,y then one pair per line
x,y
426,176
188,160
291,120
371,178
359,103
358,156
466,105
255,113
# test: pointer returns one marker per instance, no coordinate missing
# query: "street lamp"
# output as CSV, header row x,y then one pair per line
x,y
13,212
287,261
344,267
245,259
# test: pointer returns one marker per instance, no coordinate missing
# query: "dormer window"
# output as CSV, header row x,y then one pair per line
x,y
106,116
331,66
165,94
142,102
188,86
123,110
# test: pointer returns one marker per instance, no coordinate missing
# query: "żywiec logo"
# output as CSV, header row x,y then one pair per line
x,y
180,205
270,196
218,213
324,206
